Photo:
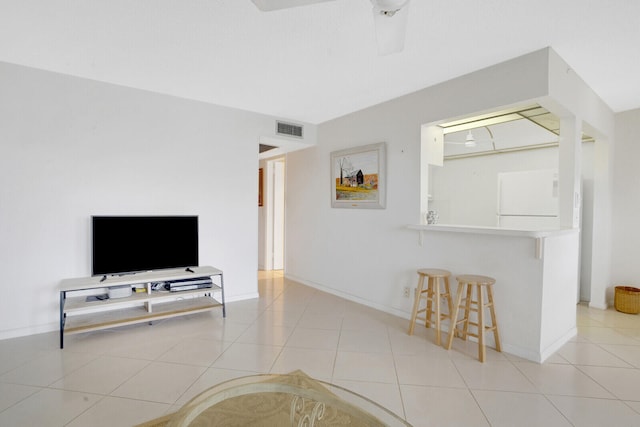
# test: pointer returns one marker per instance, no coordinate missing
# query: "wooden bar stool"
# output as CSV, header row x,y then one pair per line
x,y
432,294
466,285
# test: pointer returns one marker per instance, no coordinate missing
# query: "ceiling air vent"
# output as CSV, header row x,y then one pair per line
x,y
288,129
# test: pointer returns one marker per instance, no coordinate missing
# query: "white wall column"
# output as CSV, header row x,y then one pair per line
x,y
601,252
431,154
570,171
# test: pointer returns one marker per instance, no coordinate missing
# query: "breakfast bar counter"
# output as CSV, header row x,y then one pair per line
x,y
536,272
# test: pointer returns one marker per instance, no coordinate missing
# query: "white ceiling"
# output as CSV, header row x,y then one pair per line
x,y
317,62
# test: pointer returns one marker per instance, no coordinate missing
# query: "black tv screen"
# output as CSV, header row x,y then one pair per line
x,y
129,244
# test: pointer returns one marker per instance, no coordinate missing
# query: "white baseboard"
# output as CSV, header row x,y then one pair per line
x,y
241,297
349,297
599,306
30,330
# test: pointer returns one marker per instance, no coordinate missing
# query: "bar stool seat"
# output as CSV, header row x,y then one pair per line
x,y
466,285
432,294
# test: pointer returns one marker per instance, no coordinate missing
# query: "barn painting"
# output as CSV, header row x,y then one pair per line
x,y
356,177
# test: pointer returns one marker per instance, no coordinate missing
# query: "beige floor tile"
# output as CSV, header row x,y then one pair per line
x,y
315,363
556,359
145,346
102,375
588,412
566,380
159,382
498,376
622,383
280,317
240,315
628,353
634,405
320,321
366,341
10,394
266,335
518,409
592,380
98,342
208,379
12,357
48,407
47,368
439,407
422,342
195,352
319,339
326,304
376,367
364,321
600,335
632,333
468,350
590,354
248,357
219,330
420,370
386,395
119,412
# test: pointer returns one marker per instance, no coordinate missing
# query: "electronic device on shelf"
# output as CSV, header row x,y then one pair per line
x,y
121,291
129,244
188,284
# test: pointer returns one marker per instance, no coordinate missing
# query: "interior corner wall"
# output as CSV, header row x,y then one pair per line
x,y
625,268
72,148
369,255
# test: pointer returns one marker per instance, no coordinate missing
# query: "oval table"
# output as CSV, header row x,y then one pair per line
x,y
293,399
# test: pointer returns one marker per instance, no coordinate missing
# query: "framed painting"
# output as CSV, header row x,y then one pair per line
x,y
358,177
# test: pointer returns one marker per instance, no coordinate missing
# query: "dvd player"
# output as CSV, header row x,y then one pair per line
x,y
189,287
189,284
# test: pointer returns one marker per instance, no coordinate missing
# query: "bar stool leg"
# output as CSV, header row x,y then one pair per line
x,y
467,310
482,353
416,304
436,296
494,322
454,317
447,289
429,310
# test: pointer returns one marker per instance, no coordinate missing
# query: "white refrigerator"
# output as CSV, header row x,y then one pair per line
x,y
528,200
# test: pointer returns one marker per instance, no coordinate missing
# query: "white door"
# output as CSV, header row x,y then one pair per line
x,y
278,215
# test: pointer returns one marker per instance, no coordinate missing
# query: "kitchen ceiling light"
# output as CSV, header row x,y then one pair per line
x,y
470,141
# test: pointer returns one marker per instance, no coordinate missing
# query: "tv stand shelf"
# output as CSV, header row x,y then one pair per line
x,y
78,315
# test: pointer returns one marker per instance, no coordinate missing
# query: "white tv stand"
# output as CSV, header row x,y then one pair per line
x,y
78,315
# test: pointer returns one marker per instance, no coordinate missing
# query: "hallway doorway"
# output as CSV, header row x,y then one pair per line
x,y
271,255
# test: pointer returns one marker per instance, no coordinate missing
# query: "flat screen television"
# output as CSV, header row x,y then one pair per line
x,y
129,244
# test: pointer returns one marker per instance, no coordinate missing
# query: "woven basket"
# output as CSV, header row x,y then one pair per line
x,y
627,299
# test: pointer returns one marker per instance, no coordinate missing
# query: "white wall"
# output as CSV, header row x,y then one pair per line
x,y
626,202
73,148
369,255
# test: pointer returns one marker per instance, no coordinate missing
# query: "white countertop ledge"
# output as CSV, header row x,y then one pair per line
x,y
491,230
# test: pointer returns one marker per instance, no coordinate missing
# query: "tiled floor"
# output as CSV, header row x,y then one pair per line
x,y
132,374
